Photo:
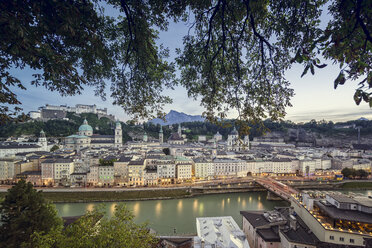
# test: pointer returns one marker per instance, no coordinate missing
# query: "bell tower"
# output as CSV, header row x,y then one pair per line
x,y
161,137
118,135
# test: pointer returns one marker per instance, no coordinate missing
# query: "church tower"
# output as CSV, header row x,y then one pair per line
x,y
179,130
42,141
246,142
118,135
145,138
214,150
232,140
161,137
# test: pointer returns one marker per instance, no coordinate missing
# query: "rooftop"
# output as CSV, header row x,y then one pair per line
x,y
221,231
342,214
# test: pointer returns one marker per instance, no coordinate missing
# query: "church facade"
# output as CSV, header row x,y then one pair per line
x,y
235,143
85,138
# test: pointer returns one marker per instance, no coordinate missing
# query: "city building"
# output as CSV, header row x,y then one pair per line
x,y
50,112
204,168
276,229
235,143
136,172
55,171
8,149
121,170
86,139
336,218
220,232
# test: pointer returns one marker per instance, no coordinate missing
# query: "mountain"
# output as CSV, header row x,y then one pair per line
x,y
362,119
174,117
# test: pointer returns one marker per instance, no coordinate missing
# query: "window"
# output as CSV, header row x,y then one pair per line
x,y
342,239
331,237
352,241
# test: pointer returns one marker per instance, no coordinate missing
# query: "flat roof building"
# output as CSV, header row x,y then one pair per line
x,y
220,232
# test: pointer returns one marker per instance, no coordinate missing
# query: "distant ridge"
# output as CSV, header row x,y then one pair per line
x,y
174,117
362,119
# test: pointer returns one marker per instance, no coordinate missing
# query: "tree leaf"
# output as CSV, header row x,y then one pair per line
x,y
357,97
305,71
312,69
321,66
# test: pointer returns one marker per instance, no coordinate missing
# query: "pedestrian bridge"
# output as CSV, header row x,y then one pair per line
x,y
279,189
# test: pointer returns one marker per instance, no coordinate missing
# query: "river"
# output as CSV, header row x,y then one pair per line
x,y
178,215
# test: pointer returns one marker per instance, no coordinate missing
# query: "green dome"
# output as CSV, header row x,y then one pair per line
x,y
85,127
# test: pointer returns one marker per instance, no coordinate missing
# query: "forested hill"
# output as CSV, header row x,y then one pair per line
x,y
63,128
305,132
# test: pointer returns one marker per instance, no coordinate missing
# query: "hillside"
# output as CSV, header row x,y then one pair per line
x,y
63,128
319,133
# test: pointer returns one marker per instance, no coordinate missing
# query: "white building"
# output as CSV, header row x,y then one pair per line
x,y
227,167
217,137
10,149
203,168
166,171
136,172
202,138
106,175
8,168
54,170
184,172
220,232
307,166
151,176
92,175
85,138
121,170
234,143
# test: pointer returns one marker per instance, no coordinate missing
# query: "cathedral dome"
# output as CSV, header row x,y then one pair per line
x,y
234,132
85,127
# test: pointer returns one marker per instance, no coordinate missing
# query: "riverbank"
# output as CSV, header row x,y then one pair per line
x,y
363,185
86,195
111,195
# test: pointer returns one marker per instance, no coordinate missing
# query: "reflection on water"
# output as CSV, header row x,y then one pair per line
x,y
136,209
179,207
201,209
195,205
166,215
178,215
158,209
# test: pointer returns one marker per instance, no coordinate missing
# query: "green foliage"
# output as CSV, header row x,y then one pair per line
x,y
166,151
62,41
352,173
63,128
234,56
23,212
194,129
54,148
92,230
108,162
357,185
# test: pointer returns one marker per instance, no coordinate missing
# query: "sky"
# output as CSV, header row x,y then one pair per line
x,y
315,97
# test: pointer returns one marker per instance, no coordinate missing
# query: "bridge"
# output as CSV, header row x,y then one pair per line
x,y
277,188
